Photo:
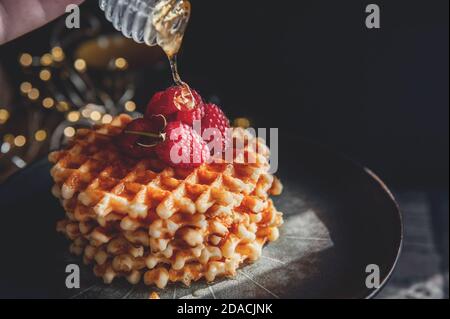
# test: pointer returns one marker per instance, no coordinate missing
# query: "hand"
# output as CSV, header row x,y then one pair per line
x,y
18,17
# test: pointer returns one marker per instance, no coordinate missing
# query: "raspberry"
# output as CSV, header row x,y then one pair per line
x,y
191,116
215,118
173,100
140,137
156,105
192,150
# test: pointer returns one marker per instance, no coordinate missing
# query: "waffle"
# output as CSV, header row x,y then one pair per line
x,y
145,221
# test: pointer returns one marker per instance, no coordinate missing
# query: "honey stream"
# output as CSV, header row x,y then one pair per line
x,y
169,20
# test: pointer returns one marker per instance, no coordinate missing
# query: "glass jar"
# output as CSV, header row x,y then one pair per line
x,y
147,20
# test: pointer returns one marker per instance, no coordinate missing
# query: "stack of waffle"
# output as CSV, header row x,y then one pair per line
x,y
145,220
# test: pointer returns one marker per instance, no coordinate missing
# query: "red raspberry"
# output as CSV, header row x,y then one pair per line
x,y
172,100
192,150
215,118
140,137
191,116
156,104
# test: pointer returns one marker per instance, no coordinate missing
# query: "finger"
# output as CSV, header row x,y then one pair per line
x,y
18,17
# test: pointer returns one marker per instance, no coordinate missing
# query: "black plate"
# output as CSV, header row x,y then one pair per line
x,y
340,218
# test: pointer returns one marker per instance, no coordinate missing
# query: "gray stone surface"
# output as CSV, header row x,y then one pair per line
x,y
301,236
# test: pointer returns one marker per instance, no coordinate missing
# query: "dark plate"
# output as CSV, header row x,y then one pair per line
x,y
340,218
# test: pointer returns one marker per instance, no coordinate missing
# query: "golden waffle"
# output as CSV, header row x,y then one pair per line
x,y
144,220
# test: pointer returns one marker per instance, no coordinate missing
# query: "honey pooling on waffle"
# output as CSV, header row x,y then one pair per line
x,y
143,220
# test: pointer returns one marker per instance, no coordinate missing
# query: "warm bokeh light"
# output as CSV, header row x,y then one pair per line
x,y
130,106
80,65
4,116
34,94
69,131
58,54
26,87
121,64
45,75
48,103
47,59
107,119
20,141
242,122
26,60
63,106
8,138
40,135
73,116
86,112
96,116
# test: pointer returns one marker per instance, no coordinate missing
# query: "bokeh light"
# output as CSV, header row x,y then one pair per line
x,y
107,119
58,54
46,59
26,60
20,141
69,131
45,75
80,65
48,103
40,135
25,87
130,106
4,116
73,116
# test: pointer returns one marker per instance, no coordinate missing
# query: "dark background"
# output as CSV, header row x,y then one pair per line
x,y
312,69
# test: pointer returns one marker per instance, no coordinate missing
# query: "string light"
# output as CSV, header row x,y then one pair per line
x,y
121,64
34,94
96,116
63,106
40,135
86,112
107,119
43,67
58,54
20,141
26,60
26,87
4,116
80,65
47,59
73,116
242,122
130,106
8,138
45,75
48,103
69,131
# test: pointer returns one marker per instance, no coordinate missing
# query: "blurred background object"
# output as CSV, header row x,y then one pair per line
x,y
73,78
314,71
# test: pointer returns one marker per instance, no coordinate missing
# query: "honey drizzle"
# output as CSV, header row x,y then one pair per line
x,y
170,19
174,68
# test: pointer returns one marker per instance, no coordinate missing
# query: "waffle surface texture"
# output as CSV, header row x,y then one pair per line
x,y
143,220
